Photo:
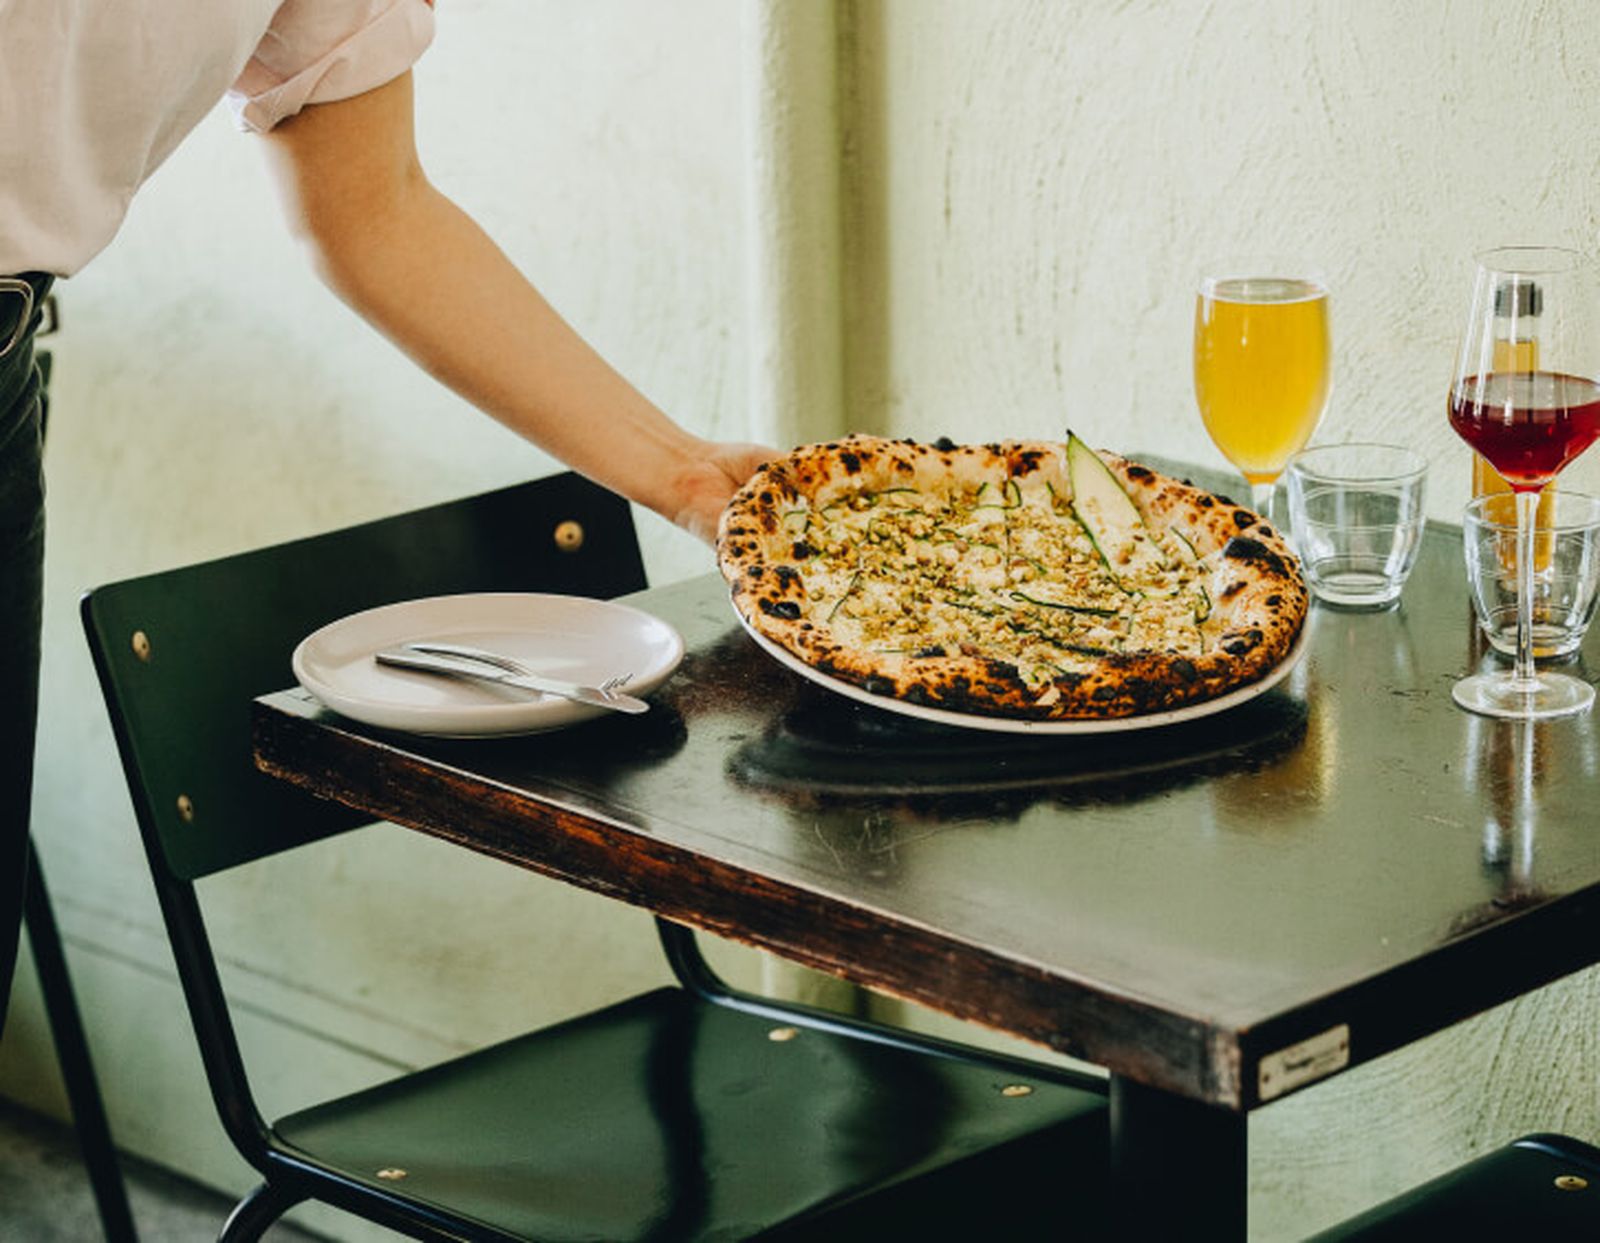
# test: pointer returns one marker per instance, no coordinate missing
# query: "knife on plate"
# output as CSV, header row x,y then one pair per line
x,y
455,667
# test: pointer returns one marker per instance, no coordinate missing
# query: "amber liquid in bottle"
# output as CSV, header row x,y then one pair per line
x,y
1513,355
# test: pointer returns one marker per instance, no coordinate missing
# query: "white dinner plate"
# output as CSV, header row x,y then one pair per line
x,y
1011,725
568,637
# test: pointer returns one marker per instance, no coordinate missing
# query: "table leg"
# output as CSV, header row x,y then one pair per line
x,y
1178,1167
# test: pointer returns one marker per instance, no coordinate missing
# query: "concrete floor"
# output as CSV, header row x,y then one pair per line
x,y
45,1196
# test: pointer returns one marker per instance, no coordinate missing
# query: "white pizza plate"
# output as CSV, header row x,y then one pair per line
x,y
1010,725
568,637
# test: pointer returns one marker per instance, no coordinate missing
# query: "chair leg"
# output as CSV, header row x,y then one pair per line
x,y
72,1053
258,1210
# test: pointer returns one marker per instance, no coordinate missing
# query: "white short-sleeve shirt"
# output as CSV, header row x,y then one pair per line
x,y
95,94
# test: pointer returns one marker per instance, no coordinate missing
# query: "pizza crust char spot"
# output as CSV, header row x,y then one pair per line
x,y
786,609
1243,548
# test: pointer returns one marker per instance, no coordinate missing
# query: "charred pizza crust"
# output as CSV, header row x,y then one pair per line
x,y
962,577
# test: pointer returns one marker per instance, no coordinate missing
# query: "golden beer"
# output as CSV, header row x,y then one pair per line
x,y
1262,351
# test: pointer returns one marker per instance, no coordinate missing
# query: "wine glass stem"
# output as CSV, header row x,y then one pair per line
x,y
1527,516
1261,495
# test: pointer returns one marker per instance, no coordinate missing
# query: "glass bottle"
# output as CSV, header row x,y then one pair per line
x,y
1517,308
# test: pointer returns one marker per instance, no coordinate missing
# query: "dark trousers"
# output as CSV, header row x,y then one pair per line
x,y
21,588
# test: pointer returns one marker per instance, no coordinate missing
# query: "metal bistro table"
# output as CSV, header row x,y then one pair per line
x,y
1219,912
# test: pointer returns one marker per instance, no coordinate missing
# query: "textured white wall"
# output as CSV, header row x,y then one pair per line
x,y
1037,185
1024,193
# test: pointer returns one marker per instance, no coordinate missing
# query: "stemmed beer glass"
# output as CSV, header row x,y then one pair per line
x,y
1529,411
1262,350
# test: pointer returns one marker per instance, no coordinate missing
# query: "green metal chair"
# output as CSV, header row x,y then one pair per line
x,y
671,1115
1544,1187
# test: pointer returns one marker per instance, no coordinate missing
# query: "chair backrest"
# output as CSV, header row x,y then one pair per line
x,y
182,653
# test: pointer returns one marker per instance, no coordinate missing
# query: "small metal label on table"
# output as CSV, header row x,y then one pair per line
x,y
1305,1062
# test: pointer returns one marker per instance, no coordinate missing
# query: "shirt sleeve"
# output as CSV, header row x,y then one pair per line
x,y
317,51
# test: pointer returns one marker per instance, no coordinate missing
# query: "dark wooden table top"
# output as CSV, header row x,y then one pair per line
x,y
1223,909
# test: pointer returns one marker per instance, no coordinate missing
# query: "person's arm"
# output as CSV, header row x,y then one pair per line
x,y
419,269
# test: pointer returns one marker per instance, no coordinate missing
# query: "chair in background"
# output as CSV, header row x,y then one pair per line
x,y
84,1099
1544,1187
671,1115
89,1121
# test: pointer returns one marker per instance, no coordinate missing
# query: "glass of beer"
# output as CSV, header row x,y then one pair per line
x,y
1262,365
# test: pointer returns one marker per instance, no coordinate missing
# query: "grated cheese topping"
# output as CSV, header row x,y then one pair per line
x,y
1003,572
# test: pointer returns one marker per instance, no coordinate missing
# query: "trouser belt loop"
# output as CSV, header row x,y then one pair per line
x,y
21,288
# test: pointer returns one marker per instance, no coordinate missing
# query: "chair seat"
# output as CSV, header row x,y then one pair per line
x,y
1511,1193
664,1117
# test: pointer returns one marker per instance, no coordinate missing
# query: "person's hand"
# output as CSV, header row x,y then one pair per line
x,y
704,487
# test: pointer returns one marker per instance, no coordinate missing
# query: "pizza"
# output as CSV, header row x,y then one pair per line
x,y
1033,580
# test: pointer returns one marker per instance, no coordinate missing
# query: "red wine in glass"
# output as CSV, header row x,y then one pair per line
x,y
1532,307
1529,424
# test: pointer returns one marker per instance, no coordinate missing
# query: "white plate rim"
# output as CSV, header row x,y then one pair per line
x,y
483,720
1013,725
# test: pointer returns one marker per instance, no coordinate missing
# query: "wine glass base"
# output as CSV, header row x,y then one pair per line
x,y
1503,695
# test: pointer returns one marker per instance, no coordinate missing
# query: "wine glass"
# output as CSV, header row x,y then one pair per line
x,y
1262,370
1529,412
